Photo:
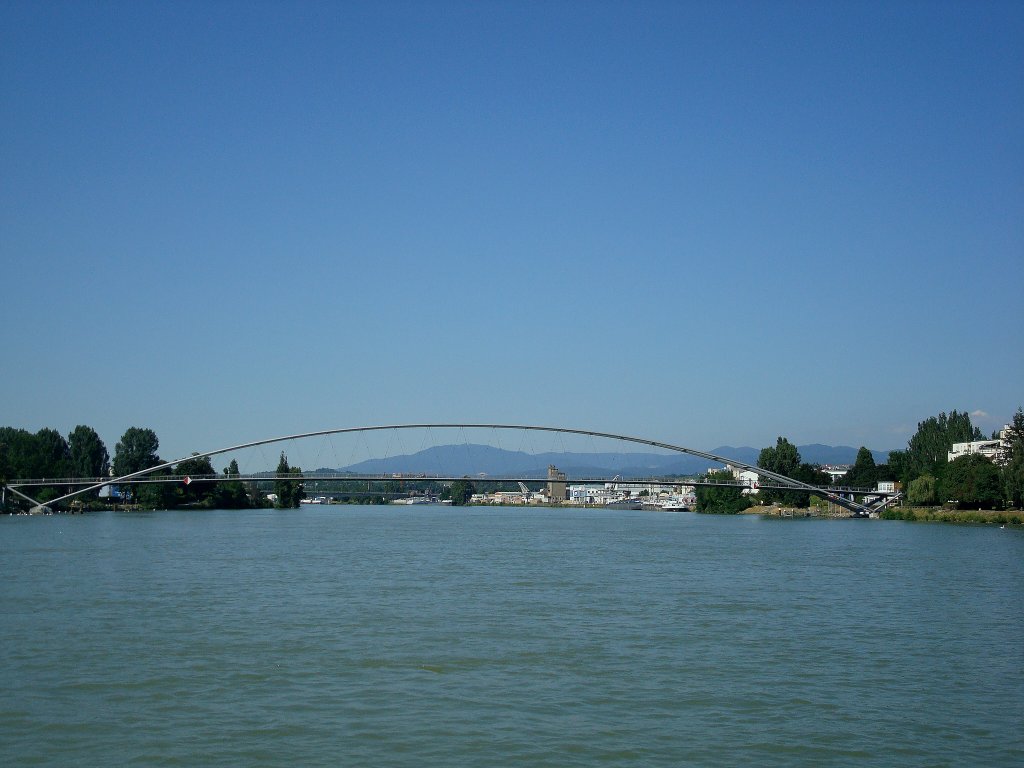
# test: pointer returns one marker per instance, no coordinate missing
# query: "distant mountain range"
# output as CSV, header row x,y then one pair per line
x,y
458,460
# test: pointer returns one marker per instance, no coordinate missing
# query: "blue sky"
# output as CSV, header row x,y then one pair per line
x,y
702,223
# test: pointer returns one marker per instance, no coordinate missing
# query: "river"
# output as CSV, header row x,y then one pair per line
x,y
410,636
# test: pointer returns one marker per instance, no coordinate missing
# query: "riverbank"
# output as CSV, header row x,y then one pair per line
x,y
938,514
911,514
772,510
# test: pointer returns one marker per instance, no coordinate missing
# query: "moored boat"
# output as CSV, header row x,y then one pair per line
x,y
625,504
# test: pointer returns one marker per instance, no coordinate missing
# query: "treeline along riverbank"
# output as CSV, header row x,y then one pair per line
x,y
933,487
931,484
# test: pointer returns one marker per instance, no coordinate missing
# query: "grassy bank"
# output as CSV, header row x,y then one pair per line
x,y
938,514
913,514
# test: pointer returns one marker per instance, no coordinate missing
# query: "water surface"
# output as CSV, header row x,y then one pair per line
x,y
404,636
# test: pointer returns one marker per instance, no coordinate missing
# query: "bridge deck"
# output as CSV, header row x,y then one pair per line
x,y
419,478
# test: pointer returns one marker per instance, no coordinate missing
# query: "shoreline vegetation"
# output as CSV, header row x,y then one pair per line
x,y
940,515
935,482
949,471
907,514
1014,517
817,510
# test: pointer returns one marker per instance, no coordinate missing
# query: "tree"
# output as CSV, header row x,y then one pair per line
x,y
50,454
805,473
88,454
885,473
49,457
783,459
156,495
231,495
195,465
863,473
928,448
192,492
298,489
136,451
721,499
972,481
18,448
898,466
1012,459
461,492
289,492
923,490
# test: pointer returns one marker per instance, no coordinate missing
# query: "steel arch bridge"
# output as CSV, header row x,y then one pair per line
x,y
779,480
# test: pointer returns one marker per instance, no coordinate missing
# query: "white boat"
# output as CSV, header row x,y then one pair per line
x,y
673,506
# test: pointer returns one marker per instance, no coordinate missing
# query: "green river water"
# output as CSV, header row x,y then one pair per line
x,y
411,636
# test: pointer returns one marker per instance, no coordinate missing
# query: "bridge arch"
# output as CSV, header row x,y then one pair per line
x,y
775,476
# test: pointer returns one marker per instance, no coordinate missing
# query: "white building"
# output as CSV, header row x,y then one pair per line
x,y
591,494
609,493
835,471
991,449
746,476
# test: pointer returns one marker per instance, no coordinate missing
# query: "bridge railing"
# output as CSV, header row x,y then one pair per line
x,y
331,477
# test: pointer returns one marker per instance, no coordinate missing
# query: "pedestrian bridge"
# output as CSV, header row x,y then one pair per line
x,y
159,473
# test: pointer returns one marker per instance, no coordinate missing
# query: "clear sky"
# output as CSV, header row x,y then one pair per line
x,y
705,223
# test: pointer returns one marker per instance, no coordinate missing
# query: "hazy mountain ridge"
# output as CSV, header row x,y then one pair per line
x,y
469,459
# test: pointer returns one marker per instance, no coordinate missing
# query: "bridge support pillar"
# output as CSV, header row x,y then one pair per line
x,y
16,492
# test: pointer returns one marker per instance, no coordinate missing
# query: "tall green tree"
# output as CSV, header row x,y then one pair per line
x,y
805,473
923,490
52,455
863,473
194,466
49,458
783,459
289,492
231,494
720,500
5,462
135,451
973,482
1012,459
18,448
461,492
898,465
192,492
88,454
298,488
928,448
155,495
